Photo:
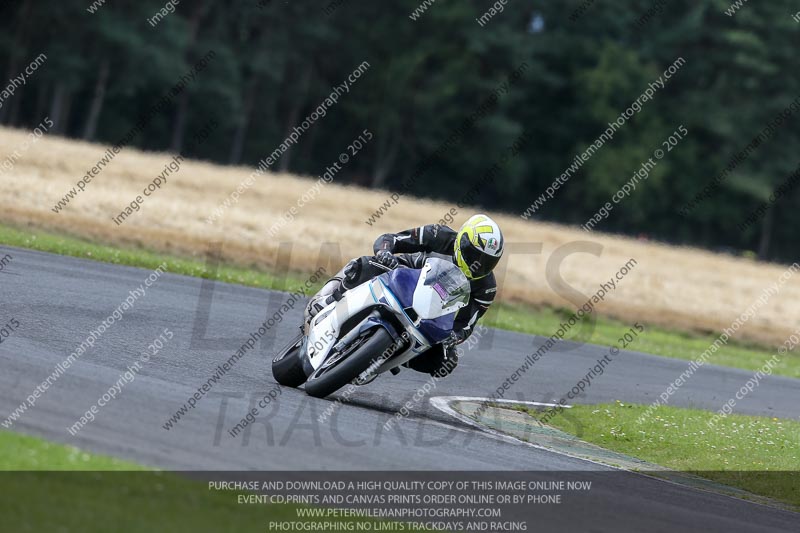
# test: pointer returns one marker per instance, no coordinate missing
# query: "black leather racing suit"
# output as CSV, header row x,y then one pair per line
x,y
411,248
414,246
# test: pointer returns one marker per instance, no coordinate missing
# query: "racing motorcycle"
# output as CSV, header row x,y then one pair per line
x,y
374,328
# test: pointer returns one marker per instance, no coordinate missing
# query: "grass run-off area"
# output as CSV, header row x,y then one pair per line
x,y
52,487
755,453
514,317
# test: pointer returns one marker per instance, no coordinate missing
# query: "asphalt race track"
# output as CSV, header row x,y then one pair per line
x,y
58,300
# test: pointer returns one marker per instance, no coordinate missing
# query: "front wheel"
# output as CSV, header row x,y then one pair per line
x,y
287,367
328,379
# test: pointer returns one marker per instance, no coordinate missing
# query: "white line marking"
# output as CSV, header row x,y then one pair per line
x,y
443,404
499,400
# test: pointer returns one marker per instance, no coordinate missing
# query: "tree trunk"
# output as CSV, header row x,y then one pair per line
x,y
66,112
41,103
20,39
240,135
57,106
96,107
12,67
294,115
766,233
385,161
16,104
179,128
182,115
308,147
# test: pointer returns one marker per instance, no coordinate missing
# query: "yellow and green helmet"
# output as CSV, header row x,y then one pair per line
x,y
478,246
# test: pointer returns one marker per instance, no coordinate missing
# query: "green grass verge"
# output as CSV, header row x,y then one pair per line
x,y
654,340
197,267
754,453
513,317
66,489
21,452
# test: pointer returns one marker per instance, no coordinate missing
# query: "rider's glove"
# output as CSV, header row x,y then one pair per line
x,y
456,337
387,259
450,353
449,361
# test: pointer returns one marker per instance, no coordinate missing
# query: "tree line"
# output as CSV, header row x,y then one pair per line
x,y
276,61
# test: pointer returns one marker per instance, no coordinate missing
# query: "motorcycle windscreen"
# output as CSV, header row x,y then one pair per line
x,y
442,289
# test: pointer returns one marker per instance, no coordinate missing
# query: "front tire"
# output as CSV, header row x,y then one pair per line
x,y
287,367
327,381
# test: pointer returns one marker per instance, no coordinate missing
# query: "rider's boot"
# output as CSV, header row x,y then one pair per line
x,y
350,276
333,290
329,293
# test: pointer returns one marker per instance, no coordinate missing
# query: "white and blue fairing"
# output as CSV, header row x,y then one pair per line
x,y
425,301
435,293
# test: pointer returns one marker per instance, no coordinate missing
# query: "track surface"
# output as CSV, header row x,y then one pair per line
x,y
58,300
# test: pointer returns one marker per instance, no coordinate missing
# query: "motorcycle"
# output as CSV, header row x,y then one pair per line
x,y
374,328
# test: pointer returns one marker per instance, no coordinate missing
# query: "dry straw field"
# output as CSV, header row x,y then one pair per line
x,y
680,288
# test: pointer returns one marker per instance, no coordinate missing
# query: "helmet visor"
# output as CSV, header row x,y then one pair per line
x,y
479,263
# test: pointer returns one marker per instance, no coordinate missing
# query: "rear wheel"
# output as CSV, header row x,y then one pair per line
x,y
341,369
287,367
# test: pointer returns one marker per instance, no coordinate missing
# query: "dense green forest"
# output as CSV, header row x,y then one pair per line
x,y
474,76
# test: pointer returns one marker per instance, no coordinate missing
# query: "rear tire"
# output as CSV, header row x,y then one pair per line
x,y
350,368
287,367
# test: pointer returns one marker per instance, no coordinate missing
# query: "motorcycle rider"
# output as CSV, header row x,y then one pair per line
x,y
476,249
